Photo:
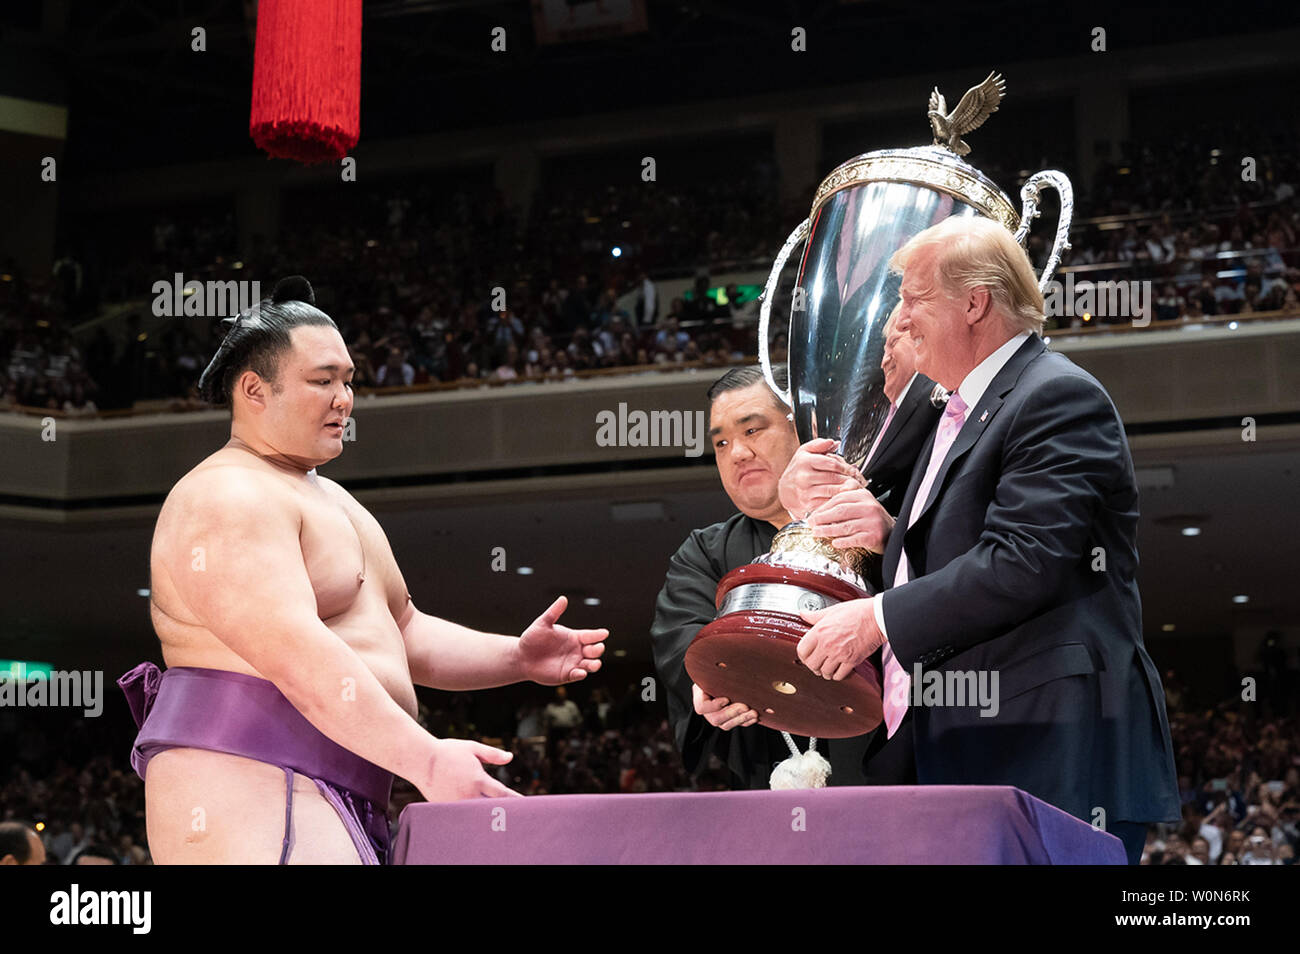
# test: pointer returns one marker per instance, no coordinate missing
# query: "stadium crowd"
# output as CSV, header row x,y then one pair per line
x,y
1239,781
432,285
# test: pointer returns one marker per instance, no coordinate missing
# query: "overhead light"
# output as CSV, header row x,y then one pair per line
x,y
616,251
591,601
524,570
1232,326
141,592
1191,531
1168,627
1241,598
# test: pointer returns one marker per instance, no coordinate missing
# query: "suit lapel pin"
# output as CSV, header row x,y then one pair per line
x,y
984,417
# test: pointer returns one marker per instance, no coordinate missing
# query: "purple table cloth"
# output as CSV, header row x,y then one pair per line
x,y
928,824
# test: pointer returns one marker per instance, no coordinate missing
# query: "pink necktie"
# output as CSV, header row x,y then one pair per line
x,y
893,406
896,679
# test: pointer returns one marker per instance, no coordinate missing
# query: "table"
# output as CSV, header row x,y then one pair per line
x,y
917,824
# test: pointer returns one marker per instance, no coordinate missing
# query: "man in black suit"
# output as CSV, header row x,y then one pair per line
x,y
809,483
1015,561
814,474
912,416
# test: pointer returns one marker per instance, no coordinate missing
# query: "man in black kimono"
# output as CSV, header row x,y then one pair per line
x,y
753,440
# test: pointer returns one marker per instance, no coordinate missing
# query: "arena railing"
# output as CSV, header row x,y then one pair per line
x,y
1199,321
185,404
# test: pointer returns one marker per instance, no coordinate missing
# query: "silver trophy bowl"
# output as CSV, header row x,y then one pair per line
x,y
863,212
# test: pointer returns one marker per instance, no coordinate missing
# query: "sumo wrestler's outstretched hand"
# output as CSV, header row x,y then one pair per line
x,y
551,654
456,771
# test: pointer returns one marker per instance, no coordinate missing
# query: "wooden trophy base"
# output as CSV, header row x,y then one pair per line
x,y
750,656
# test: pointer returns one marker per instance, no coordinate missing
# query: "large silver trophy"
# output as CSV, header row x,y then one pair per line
x,y
862,213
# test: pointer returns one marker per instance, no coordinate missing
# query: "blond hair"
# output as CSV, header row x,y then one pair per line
x,y
977,252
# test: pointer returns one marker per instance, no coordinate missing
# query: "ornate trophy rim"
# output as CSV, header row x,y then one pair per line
x,y
934,167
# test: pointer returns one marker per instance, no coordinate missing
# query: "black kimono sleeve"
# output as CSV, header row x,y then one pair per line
x,y
684,606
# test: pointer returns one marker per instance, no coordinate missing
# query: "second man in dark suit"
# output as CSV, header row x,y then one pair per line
x,y
808,482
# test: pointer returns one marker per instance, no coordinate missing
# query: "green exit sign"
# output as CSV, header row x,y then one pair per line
x,y
22,671
718,294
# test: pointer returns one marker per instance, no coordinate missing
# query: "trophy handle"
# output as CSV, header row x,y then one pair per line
x,y
765,309
1029,196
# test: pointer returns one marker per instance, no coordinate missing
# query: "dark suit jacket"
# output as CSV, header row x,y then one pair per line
x,y
890,468
1024,563
889,471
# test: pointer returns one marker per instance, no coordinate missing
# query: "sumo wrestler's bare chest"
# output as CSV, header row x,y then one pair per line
x,y
333,554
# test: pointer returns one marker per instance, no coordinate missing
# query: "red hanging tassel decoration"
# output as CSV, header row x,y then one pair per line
x,y
307,79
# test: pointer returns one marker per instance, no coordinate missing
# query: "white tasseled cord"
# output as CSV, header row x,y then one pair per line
x,y
802,770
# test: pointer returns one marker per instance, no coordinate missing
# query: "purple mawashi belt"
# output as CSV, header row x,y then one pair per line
x,y
238,714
